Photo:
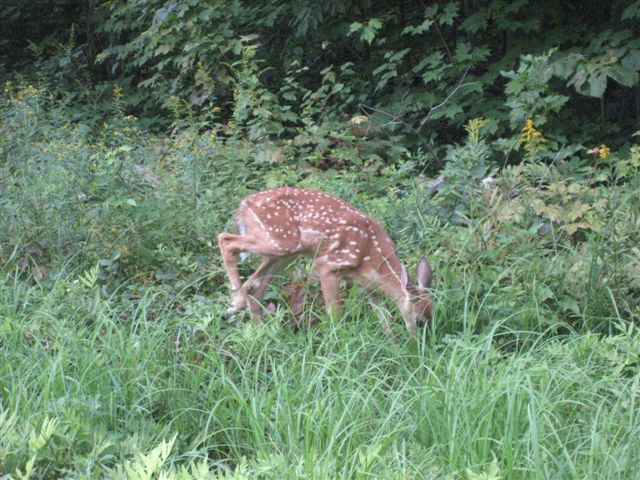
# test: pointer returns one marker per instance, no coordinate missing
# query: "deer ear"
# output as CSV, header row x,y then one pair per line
x,y
424,274
404,278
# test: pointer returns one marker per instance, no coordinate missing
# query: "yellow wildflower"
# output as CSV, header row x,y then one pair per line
x,y
604,151
532,138
529,132
117,92
473,128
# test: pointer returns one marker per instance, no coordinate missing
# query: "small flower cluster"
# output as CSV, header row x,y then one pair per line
x,y
530,133
473,128
117,92
22,96
603,152
532,138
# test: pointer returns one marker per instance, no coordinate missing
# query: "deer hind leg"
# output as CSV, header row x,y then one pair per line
x,y
255,287
230,246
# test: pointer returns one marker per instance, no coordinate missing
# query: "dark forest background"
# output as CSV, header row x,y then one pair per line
x,y
570,66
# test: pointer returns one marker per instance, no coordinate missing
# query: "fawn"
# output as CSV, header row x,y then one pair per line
x,y
284,222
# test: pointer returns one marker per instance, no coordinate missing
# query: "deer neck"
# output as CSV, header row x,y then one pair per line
x,y
386,276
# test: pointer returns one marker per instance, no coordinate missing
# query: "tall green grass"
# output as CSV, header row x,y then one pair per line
x,y
342,400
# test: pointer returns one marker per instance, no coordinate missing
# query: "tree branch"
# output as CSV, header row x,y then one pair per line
x,y
367,110
443,103
397,117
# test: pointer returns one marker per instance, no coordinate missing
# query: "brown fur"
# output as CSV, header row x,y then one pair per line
x,y
282,223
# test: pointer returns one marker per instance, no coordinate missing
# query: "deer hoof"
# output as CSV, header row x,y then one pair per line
x,y
238,303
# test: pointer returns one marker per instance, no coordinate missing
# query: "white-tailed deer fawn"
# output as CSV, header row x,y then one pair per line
x,y
282,223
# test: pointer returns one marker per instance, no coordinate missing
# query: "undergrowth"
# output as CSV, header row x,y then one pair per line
x,y
118,363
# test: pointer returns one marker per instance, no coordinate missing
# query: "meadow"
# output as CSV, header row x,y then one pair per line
x,y
118,362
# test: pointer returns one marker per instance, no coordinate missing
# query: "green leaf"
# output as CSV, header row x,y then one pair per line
x,y
398,56
449,13
476,22
578,79
597,85
368,31
190,46
422,28
632,11
463,52
162,49
631,60
623,76
375,23
368,34
355,27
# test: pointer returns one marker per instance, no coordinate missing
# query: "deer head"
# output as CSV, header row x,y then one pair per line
x,y
417,308
282,223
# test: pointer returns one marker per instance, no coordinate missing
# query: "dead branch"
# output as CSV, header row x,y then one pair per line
x,y
444,102
397,117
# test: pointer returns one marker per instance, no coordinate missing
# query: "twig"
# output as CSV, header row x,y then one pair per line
x,y
444,42
442,104
435,184
397,115
397,118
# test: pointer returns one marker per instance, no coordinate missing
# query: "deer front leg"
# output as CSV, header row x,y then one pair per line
x,y
255,287
377,305
330,285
